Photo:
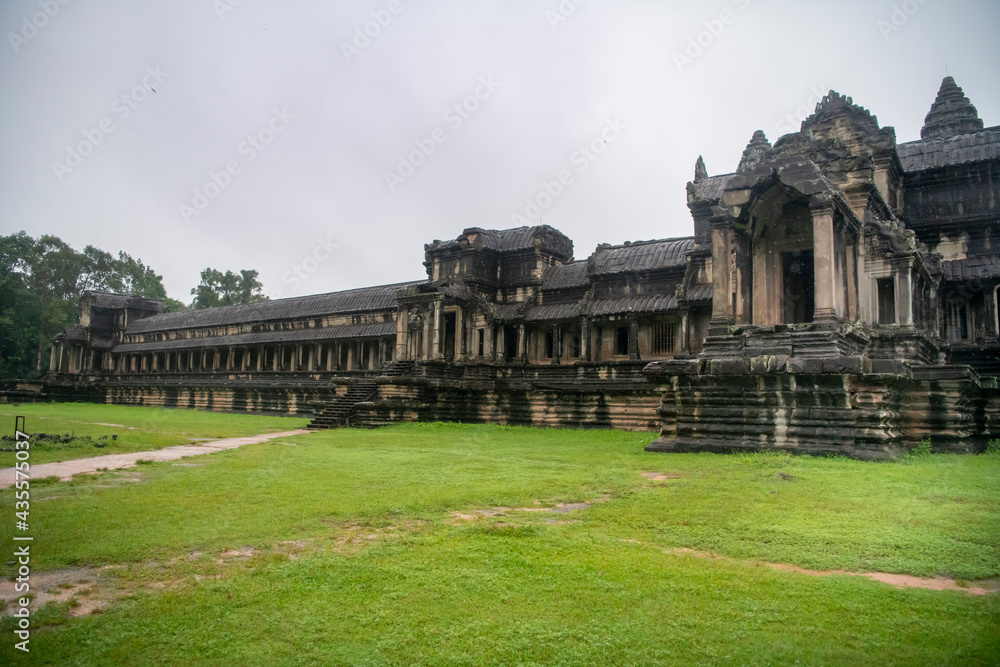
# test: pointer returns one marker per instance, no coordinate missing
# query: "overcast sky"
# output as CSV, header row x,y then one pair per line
x,y
303,118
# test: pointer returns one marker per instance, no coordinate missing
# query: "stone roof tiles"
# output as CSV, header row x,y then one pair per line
x,y
366,299
654,303
963,148
642,256
711,188
566,276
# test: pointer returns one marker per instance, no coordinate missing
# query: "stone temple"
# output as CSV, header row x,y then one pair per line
x,y
839,295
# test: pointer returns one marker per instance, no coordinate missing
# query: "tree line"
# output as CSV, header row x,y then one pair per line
x,y
41,280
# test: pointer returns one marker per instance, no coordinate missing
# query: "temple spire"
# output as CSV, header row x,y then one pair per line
x,y
754,152
700,172
952,113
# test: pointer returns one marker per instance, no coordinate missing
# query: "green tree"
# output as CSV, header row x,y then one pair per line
x,y
226,289
41,281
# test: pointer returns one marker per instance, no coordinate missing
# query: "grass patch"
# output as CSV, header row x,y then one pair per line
x,y
441,544
83,429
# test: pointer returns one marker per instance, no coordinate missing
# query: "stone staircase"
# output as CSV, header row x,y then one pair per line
x,y
338,411
397,369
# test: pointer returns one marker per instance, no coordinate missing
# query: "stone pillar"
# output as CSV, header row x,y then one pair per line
x,y
904,295
490,347
992,325
686,332
437,352
381,352
633,337
722,300
585,339
351,355
522,343
851,255
402,331
599,340
330,349
460,331
59,367
556,343
823,260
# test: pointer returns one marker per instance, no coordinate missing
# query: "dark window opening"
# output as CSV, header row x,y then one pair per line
x,y
799,286
621,340
550,344
886,300
482,342
345,355
510,342
449,335
576,349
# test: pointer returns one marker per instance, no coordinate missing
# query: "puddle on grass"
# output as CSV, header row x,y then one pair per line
x,y
938,583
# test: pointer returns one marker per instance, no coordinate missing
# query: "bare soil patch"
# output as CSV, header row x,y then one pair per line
x,y
938,583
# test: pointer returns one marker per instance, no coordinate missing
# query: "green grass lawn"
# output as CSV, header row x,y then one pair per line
x,y
138,429
388,547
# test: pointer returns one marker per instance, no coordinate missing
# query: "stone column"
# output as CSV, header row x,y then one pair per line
x,y
437,352
686,332
402,331
904,294
823,260
556,343
60,366
633,337
722,301
522,343
460,334
490,345
585,339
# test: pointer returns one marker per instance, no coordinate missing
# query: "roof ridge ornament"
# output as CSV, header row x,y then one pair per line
x,y
951,113
700,172
754,153
834,101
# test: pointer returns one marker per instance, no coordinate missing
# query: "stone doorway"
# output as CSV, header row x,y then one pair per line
x,y
449,336
798,286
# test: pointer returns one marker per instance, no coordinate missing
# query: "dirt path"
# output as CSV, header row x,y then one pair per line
x,y
64,470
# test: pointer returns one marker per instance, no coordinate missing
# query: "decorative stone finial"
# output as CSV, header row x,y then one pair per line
x,y
700,172
754,152
952,113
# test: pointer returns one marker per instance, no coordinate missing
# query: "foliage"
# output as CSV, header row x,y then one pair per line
x,y
227,289
41,281
386,547
993,448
